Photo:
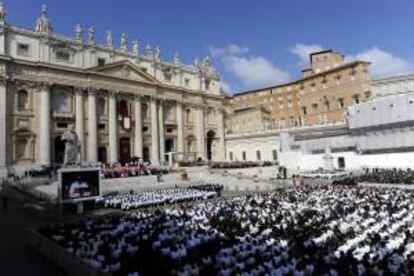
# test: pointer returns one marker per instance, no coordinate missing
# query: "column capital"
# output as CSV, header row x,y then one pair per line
x,y
92,91
79,90
44,85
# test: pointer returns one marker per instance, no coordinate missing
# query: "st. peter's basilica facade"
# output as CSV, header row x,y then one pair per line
x,y
122,101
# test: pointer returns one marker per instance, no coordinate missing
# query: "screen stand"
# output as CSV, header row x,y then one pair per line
x,y
79,208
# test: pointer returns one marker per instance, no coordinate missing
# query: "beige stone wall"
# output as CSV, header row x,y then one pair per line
x,y
317,98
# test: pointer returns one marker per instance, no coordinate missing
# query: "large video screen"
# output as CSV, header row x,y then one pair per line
x,y
79,184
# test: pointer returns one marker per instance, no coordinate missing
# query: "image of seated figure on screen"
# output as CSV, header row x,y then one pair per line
x,y
80,184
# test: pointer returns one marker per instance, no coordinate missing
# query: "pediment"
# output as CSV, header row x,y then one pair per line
x,y
125,70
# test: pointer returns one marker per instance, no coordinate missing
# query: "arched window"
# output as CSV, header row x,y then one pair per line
x,y
22,100
61,103
101,106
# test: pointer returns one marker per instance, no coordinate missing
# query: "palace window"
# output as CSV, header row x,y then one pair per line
x,y
22,100
356,98
61,103
274,154
304,110
258,155
341,102
23,49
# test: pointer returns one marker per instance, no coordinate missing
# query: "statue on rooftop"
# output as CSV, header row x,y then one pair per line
x,y
124,42
157,54
135,47
91,34
109,39
79,32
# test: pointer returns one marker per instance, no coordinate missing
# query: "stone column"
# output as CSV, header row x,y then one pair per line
x,y
92,127
201,137
155,153
112,128
161,130
3,129
180,130
44,125
138,127
80,121
221,129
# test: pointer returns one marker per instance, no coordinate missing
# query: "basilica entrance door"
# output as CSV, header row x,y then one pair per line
x,y
125,149
59,150
169,146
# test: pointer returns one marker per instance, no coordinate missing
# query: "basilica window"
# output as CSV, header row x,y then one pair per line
x,y
169,113
21,148
207,82
101,62
123,109
23,49
101,107
144,111
231,156
243,155
61,103
22,100
62,55
187,82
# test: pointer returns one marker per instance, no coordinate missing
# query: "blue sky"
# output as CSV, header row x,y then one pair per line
x,y
253,43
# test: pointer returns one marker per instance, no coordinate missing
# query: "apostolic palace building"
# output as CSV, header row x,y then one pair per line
x,y
122,101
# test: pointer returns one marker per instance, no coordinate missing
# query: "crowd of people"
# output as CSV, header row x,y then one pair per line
x,y
132,200
391,176
241,164
309,230
130,170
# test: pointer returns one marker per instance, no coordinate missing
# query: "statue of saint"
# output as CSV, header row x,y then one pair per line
x,y
78,32
91,34
124,42
135,47
157,54
109,39
72,146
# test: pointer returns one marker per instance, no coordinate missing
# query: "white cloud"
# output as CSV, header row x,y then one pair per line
x,y
383,63
251,71
231,49
225,86
303,51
